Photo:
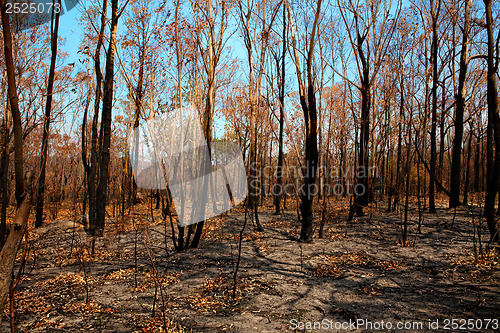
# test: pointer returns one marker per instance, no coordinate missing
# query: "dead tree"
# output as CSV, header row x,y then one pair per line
x,y
46,120
308,105
493,174
369,35
105,138
211,53
281,84
98,170
435,76
459,113
255,82
91,169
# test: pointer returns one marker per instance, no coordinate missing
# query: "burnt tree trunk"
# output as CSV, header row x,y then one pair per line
x,y
459,114
397,188
105,130
364,130
281,75
477,163
92,169
139,92
494,119
214,49
432,167
311,163
311,142
308,105
46,120
467,170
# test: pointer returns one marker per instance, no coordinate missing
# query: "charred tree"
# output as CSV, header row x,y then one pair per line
x,y
91,168
46,120
105,137
308,105
281,80
459,114
493,181
435,83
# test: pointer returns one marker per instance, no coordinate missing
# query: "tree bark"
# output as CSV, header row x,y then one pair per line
x,y
4,170
364,134
46,120
179,60
281,75
397,190
254,95
93,169
493,118
467,170
106,117
18,227
311,163
308,104
459,113
10,248
14,106
213,59
477,164
435,45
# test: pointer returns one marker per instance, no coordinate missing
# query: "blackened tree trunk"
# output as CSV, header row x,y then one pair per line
x,y
408,171
364,134
477,163
397,188
281,78
105,137
459,114
432,167
208,114
489,150
369,42
493,118
207,131
467,170
498,206
92,169
311,163
211,57
139,93
308,104
179,65
442,131
46,120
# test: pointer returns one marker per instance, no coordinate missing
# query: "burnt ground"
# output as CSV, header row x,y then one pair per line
x,y
359,271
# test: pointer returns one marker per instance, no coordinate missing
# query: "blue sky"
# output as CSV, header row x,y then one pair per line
x,y
72,32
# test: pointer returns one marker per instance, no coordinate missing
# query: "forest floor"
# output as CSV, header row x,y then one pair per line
x,y
358,272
